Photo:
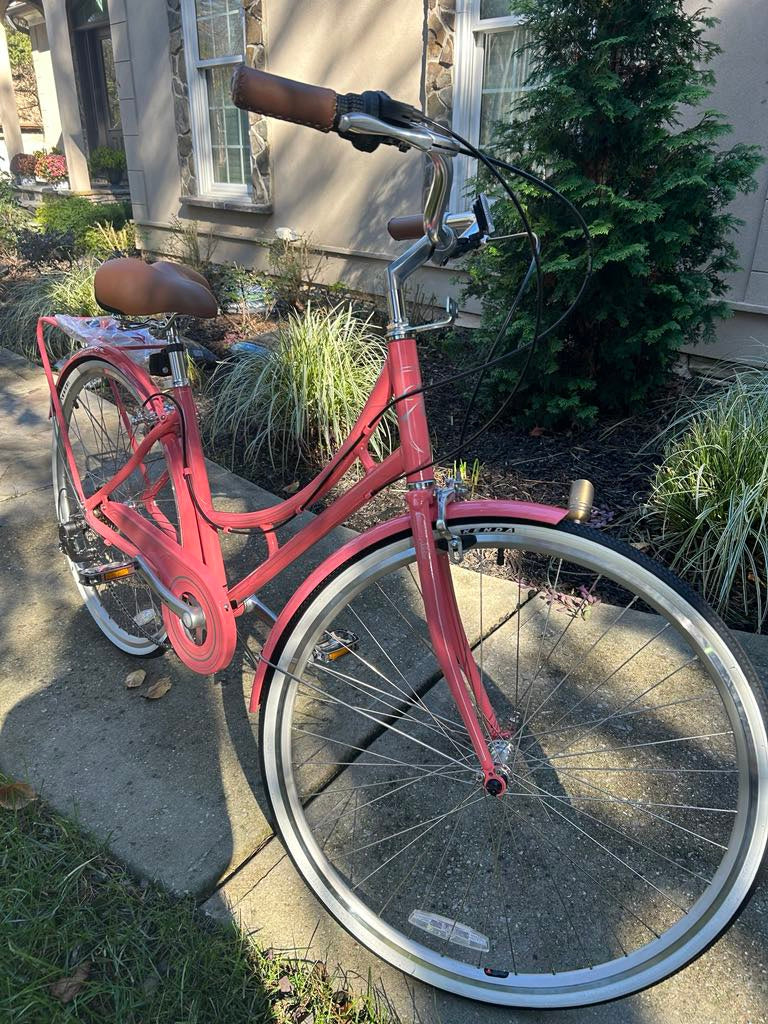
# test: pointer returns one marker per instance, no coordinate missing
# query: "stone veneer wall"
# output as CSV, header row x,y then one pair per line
x,y
255,58
438,77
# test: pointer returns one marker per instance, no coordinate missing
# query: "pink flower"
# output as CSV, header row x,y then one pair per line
x,y
51,167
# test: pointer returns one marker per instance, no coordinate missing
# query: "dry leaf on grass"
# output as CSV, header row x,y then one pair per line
x,y
158,689
66,989
134,679
284,986
15,795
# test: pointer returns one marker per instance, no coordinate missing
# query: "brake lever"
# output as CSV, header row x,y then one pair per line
x,y
366,126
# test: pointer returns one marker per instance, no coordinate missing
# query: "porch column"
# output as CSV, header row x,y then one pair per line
x,y
9,112
73,137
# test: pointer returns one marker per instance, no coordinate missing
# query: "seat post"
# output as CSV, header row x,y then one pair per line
x,y
176,356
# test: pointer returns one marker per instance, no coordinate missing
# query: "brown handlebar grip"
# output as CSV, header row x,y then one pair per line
x,y
283,98
402,228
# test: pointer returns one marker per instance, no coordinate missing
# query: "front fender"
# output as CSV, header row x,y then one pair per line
x,y
523,511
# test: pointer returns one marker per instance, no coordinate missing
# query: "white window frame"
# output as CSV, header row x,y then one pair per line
x,y
469,50
199,113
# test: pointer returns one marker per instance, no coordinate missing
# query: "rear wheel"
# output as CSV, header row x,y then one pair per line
x,y
636,811
106,416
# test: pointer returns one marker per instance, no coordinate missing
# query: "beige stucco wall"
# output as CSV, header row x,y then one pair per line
x,y
741,94
323,187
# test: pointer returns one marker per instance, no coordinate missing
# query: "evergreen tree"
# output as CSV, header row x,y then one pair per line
x,y
616,119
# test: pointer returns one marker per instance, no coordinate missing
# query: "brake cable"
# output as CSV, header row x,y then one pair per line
x,y
493,165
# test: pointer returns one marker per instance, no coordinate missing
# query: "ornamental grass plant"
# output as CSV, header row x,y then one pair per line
x,y
57,291
299,400
708,509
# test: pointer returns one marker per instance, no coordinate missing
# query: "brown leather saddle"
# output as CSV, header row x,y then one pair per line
x,y
134,288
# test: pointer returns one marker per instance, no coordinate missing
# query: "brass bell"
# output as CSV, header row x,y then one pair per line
x,y
580,500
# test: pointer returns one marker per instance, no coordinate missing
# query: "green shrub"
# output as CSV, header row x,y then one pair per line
x,y
301,399
604,116
105,241
19,50
108,161
709,504
13,218
76,214
58,291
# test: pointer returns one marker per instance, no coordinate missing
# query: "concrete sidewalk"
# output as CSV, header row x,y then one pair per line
x,y
175,783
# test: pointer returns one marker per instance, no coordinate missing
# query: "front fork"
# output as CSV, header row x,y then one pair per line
x,y
449,639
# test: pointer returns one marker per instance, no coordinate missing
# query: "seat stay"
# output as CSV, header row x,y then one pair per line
x,y
165,427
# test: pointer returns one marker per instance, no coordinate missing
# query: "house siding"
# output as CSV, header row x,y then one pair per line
x,y
319,185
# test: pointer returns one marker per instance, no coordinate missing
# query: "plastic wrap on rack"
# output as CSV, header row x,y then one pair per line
x,y
105,330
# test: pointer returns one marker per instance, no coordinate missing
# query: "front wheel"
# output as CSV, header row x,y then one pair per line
x,y
636,811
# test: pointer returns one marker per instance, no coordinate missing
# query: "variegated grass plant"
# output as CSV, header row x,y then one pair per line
x,y
67,290
709,505
299,400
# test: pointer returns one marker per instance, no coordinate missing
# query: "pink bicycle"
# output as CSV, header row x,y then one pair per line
x,y
512,756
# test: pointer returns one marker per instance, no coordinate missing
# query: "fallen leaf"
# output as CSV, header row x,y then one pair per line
x,y
150,984
134,679
319,970
15,795
66,989
291,488
536,432
158,689
284,986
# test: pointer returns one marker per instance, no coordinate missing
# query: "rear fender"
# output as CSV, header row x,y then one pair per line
x,y
523,511
118,359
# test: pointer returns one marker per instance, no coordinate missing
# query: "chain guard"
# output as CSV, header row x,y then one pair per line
x,y
212,647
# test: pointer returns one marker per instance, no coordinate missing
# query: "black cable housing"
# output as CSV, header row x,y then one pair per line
x,y
493,165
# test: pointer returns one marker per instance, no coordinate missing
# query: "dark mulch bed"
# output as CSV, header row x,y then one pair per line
x,y
618,456
220,334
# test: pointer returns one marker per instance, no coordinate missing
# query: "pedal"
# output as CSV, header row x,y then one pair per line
x,y
342,642
93,575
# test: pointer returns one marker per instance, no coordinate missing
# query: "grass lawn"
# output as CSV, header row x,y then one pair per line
x,y
81,940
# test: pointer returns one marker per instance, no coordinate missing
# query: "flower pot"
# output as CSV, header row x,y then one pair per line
x,y
62,185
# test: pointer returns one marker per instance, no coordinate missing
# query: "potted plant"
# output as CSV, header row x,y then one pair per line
x,y
52,168
108,163
23,168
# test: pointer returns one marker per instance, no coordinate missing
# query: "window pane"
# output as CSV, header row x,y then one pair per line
x,y
113,104
495,8
88,12
229,130
504,76
219,28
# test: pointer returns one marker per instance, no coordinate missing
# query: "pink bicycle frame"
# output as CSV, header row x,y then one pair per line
x,y
198,557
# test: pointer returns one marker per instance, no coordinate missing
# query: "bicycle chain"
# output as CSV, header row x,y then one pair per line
x,y
164,644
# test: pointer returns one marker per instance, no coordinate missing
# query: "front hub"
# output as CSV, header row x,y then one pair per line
x,y
495,784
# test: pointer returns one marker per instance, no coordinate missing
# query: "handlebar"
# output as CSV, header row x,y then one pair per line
x,y
262,93
404,228
367,120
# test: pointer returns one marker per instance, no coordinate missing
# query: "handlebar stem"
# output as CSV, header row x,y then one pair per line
x,y
439,237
